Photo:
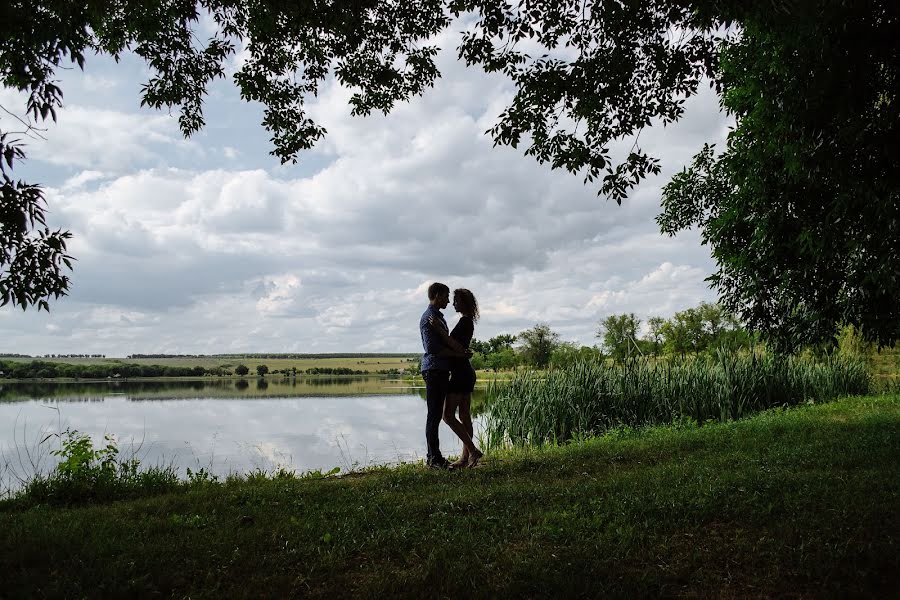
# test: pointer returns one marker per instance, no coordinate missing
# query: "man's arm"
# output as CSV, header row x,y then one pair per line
x,y
434,344
451,353
445,337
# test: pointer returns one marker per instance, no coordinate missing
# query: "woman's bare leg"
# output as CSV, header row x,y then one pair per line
x,y
450,419
465,416
464,402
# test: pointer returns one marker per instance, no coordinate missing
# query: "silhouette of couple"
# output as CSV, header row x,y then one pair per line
x,y
449,376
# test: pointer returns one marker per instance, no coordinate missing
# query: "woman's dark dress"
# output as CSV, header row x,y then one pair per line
x,y
462,375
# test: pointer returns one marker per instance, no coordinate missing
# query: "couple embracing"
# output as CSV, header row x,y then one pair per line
x,y
449,376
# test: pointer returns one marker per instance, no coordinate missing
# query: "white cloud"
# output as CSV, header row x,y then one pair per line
x,y
93,138
99,83
278,293
176,255
73,183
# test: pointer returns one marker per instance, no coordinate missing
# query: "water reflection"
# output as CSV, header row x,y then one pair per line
x,y
205,388
228,425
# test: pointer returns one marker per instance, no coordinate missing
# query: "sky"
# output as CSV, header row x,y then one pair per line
x,y
209,245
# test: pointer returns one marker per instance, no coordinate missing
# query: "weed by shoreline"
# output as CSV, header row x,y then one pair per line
x,y
587,398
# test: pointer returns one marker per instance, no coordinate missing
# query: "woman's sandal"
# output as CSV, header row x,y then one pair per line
x,y
474,458
460,464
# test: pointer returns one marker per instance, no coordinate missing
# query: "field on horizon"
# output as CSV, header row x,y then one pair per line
x,y
370,363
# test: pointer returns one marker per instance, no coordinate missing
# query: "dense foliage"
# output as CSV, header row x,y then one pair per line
x,y
802,207
705,328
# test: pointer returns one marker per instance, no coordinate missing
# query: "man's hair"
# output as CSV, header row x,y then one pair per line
x,y
435,289
469,304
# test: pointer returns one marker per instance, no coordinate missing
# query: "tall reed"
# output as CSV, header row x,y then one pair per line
x,y
590,397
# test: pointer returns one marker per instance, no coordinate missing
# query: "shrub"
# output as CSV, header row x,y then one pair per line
x,y
87,474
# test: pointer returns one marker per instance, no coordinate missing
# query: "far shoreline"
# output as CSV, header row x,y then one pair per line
x,y
191,378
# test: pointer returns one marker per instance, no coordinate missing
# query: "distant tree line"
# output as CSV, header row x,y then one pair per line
x,y
144,356
47,370
13,355
536,347
334,371
38,369
706,328
293,355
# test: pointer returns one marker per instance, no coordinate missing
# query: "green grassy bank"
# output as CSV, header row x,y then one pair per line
x,y
803,502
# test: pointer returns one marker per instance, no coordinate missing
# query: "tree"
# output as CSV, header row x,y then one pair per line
x,y
801,209
619,333
655,334
677,336
502,360
706,327
241,370
479,347
501,342
538,344
495,354
714,320
722,329
567,353
261,370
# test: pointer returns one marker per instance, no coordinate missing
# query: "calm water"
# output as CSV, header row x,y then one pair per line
x,y
222,425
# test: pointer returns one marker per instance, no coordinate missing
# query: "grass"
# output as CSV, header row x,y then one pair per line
x,y
798,502
885,367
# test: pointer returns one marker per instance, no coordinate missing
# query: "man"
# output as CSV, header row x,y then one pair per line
x,y
435,370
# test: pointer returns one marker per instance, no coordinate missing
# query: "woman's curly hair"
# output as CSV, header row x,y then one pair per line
x,y
468,302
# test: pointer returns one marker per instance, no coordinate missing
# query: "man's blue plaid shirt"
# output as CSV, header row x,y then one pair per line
x,y
431,342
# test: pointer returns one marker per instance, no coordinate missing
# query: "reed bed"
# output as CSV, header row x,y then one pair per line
x,y
588,398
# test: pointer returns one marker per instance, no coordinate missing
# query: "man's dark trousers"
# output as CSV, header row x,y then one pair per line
x,y
436,381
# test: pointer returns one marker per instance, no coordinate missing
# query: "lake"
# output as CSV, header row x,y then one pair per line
x,y
223,425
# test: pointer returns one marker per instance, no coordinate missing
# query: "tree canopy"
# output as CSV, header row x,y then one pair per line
x,y
619,335
537,344
800,208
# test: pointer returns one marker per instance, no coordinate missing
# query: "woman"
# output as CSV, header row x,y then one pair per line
x,y
462,376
